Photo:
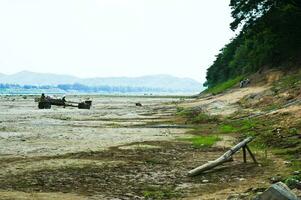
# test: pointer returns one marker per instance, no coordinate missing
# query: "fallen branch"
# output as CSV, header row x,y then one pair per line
x,y
224,158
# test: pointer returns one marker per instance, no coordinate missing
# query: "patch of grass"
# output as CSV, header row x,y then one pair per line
x,y
187,112
287,82
292,154
292,181
154,161
296,165
114,125
204,118
196,115
179,110
160,193
203,141
248,124
293,131
272,106
245,127
61,117
7,129
224,86
227,129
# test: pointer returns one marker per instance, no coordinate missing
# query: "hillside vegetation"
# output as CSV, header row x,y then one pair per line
x,y
269,37
269,110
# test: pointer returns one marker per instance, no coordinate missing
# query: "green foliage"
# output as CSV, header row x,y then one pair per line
x,y
292,181
249,124
227,129
248,12
246,126
270,36
179,110
203,141
159,193
224,86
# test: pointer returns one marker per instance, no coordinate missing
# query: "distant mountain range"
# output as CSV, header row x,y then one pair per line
x,y
164,82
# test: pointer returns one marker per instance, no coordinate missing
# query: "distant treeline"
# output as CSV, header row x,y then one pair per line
x,y
111,89
270,37
15,88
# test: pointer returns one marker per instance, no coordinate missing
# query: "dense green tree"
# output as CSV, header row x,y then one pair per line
x,y
270,35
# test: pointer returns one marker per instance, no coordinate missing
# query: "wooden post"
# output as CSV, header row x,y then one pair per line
x,y
224,158
251,154
244,154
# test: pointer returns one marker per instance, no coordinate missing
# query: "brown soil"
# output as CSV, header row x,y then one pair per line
x,y
140,173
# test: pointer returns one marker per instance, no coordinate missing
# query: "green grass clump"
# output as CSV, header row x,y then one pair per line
x,y
187,112
248,124
246,127
292,181
160,193
196,116
204,118
224,86
203,141
227,129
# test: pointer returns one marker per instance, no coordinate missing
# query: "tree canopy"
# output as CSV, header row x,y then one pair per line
x,y
270,35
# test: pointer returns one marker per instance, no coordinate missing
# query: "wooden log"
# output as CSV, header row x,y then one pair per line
x,y
224,158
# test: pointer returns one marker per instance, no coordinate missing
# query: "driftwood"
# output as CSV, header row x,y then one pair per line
x,y
224,158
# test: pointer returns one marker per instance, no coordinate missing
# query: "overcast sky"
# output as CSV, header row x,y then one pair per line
x,y
89,38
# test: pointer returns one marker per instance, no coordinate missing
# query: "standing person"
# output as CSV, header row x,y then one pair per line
x,y
242,83
43,97
64,101
247,81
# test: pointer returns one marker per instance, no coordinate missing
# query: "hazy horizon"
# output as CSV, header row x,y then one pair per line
x,y
61,74
113,38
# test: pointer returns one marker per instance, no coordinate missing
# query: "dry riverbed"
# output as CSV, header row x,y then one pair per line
x,y
115,150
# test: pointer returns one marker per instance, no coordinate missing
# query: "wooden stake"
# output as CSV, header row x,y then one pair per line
x,y
244,154
251,154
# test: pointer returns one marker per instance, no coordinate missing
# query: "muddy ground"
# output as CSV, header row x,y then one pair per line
x,y
116,150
